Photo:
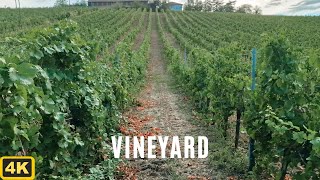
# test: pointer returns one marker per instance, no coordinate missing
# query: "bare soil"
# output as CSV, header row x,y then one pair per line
x,y
170,113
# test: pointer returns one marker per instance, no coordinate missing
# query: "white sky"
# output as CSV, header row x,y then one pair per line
x,y
30,3
269,7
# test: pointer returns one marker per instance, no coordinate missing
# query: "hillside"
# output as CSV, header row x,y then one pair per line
x,y
71,78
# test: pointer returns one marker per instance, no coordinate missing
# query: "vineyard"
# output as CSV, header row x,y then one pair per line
x,y
70,76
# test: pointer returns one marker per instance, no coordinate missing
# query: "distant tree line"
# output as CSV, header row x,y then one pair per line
x,y
220,6
81,3
62,3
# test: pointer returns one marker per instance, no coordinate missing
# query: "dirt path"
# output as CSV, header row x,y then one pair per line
x,y
170,114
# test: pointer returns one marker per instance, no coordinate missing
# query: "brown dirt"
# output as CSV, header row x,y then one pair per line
x,y
171,115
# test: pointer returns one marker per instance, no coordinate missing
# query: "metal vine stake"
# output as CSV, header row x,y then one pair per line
x,y
253,87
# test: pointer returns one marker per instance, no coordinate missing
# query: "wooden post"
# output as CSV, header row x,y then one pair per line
x,y
253,86
236,143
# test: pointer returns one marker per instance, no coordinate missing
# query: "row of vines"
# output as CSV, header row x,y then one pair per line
x,y
63,91
282,113
20,21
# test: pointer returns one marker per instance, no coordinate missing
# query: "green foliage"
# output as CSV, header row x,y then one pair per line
x,y
220,6
60,3
245,8
283,114
204,71
81,3
60,105
105,170
13,24
63,88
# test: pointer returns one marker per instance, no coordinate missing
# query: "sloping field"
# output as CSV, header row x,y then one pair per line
x,y
70,78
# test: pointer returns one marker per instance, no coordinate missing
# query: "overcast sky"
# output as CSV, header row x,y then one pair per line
x,y
273,7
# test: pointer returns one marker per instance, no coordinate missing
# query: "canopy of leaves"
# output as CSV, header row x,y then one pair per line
x,y
220,6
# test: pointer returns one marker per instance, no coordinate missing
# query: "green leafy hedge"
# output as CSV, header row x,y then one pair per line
x,y
58,103
283,114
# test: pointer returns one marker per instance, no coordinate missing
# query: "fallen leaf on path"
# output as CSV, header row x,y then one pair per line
x,y
288,177
126,172
232,178
140,108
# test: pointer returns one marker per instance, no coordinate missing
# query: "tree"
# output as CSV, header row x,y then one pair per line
x,y
217,5
245,8
60,3
229,6
191,2
188,7
81,3
198,6
207,7
154,4
257,10
137,4
163,6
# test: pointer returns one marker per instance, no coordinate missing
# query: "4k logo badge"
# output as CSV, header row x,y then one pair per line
x,y
17,168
